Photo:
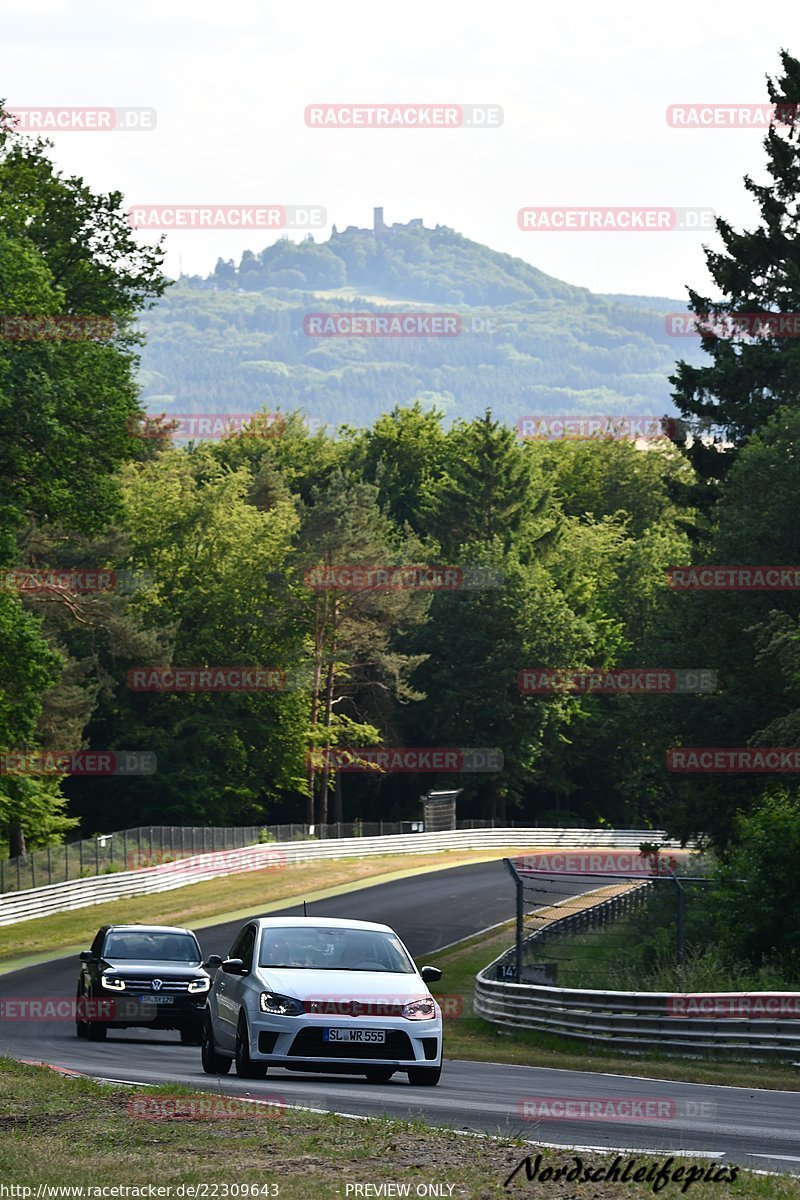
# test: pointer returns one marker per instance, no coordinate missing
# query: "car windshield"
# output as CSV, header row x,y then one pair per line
x,y
326,949
163,947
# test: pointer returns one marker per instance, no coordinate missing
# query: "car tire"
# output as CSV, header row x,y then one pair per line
x,y
378,1074
81,1028
192,1035
213,1063
245,1067
96,1031
424,1076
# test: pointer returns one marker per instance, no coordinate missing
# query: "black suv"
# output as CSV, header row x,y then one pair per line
x,y
142,975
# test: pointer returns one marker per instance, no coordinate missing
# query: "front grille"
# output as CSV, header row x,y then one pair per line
x,y
143,985
308,1043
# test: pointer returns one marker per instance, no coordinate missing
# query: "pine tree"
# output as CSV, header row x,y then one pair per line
x,y
752,372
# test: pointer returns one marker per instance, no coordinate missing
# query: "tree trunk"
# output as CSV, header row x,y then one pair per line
x,y
326,769
16,840
337,797
319,630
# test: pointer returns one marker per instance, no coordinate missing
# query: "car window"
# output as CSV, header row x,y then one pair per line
x,y
333,949
248,947
244,945
97,944
152,945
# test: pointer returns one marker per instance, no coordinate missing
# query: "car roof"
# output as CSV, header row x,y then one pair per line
x,y
147,929
320,923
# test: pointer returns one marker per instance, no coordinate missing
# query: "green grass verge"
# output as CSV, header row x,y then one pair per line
x,y
71,1132
470,1037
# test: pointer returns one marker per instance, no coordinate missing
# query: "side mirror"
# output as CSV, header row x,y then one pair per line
x,y
212,962
233,966
430,974
86,956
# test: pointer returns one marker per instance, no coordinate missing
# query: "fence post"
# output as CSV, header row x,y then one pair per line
x,y
681,899
520,912
49,866
80,858
66,861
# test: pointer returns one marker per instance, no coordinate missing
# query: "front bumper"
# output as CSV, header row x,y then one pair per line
x,y
135,1011
293,1041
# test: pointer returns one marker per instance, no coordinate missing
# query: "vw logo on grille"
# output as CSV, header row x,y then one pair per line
x,y
356,1007
157,985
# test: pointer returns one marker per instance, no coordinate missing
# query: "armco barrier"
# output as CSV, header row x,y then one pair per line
x,y
80,893
629,1021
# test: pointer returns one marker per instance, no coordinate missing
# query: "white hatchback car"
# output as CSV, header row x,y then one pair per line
x,y
321,994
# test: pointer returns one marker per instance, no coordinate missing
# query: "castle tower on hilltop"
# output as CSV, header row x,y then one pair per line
x,y
379,226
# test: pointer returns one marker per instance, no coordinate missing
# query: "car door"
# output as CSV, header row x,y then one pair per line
x,y
229,989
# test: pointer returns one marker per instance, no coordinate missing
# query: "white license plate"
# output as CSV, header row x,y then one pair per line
x,y
158,999
354,1035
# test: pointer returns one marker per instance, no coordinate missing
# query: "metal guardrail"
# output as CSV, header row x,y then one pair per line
x,y
633,1021
80,893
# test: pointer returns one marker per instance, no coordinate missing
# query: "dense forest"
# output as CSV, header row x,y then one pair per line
x,y
527,343
560,551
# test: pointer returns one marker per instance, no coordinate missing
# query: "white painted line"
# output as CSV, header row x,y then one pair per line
x,y
632,1150
733,1087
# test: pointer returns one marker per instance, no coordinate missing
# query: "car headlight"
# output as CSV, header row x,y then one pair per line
x,y
280,1006
112,983
420,1010
199,985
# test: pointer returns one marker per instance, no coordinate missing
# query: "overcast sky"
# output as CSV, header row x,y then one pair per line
x,y
584,87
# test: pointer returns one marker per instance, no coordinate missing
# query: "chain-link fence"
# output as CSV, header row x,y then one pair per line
x,y
582,924
150,845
